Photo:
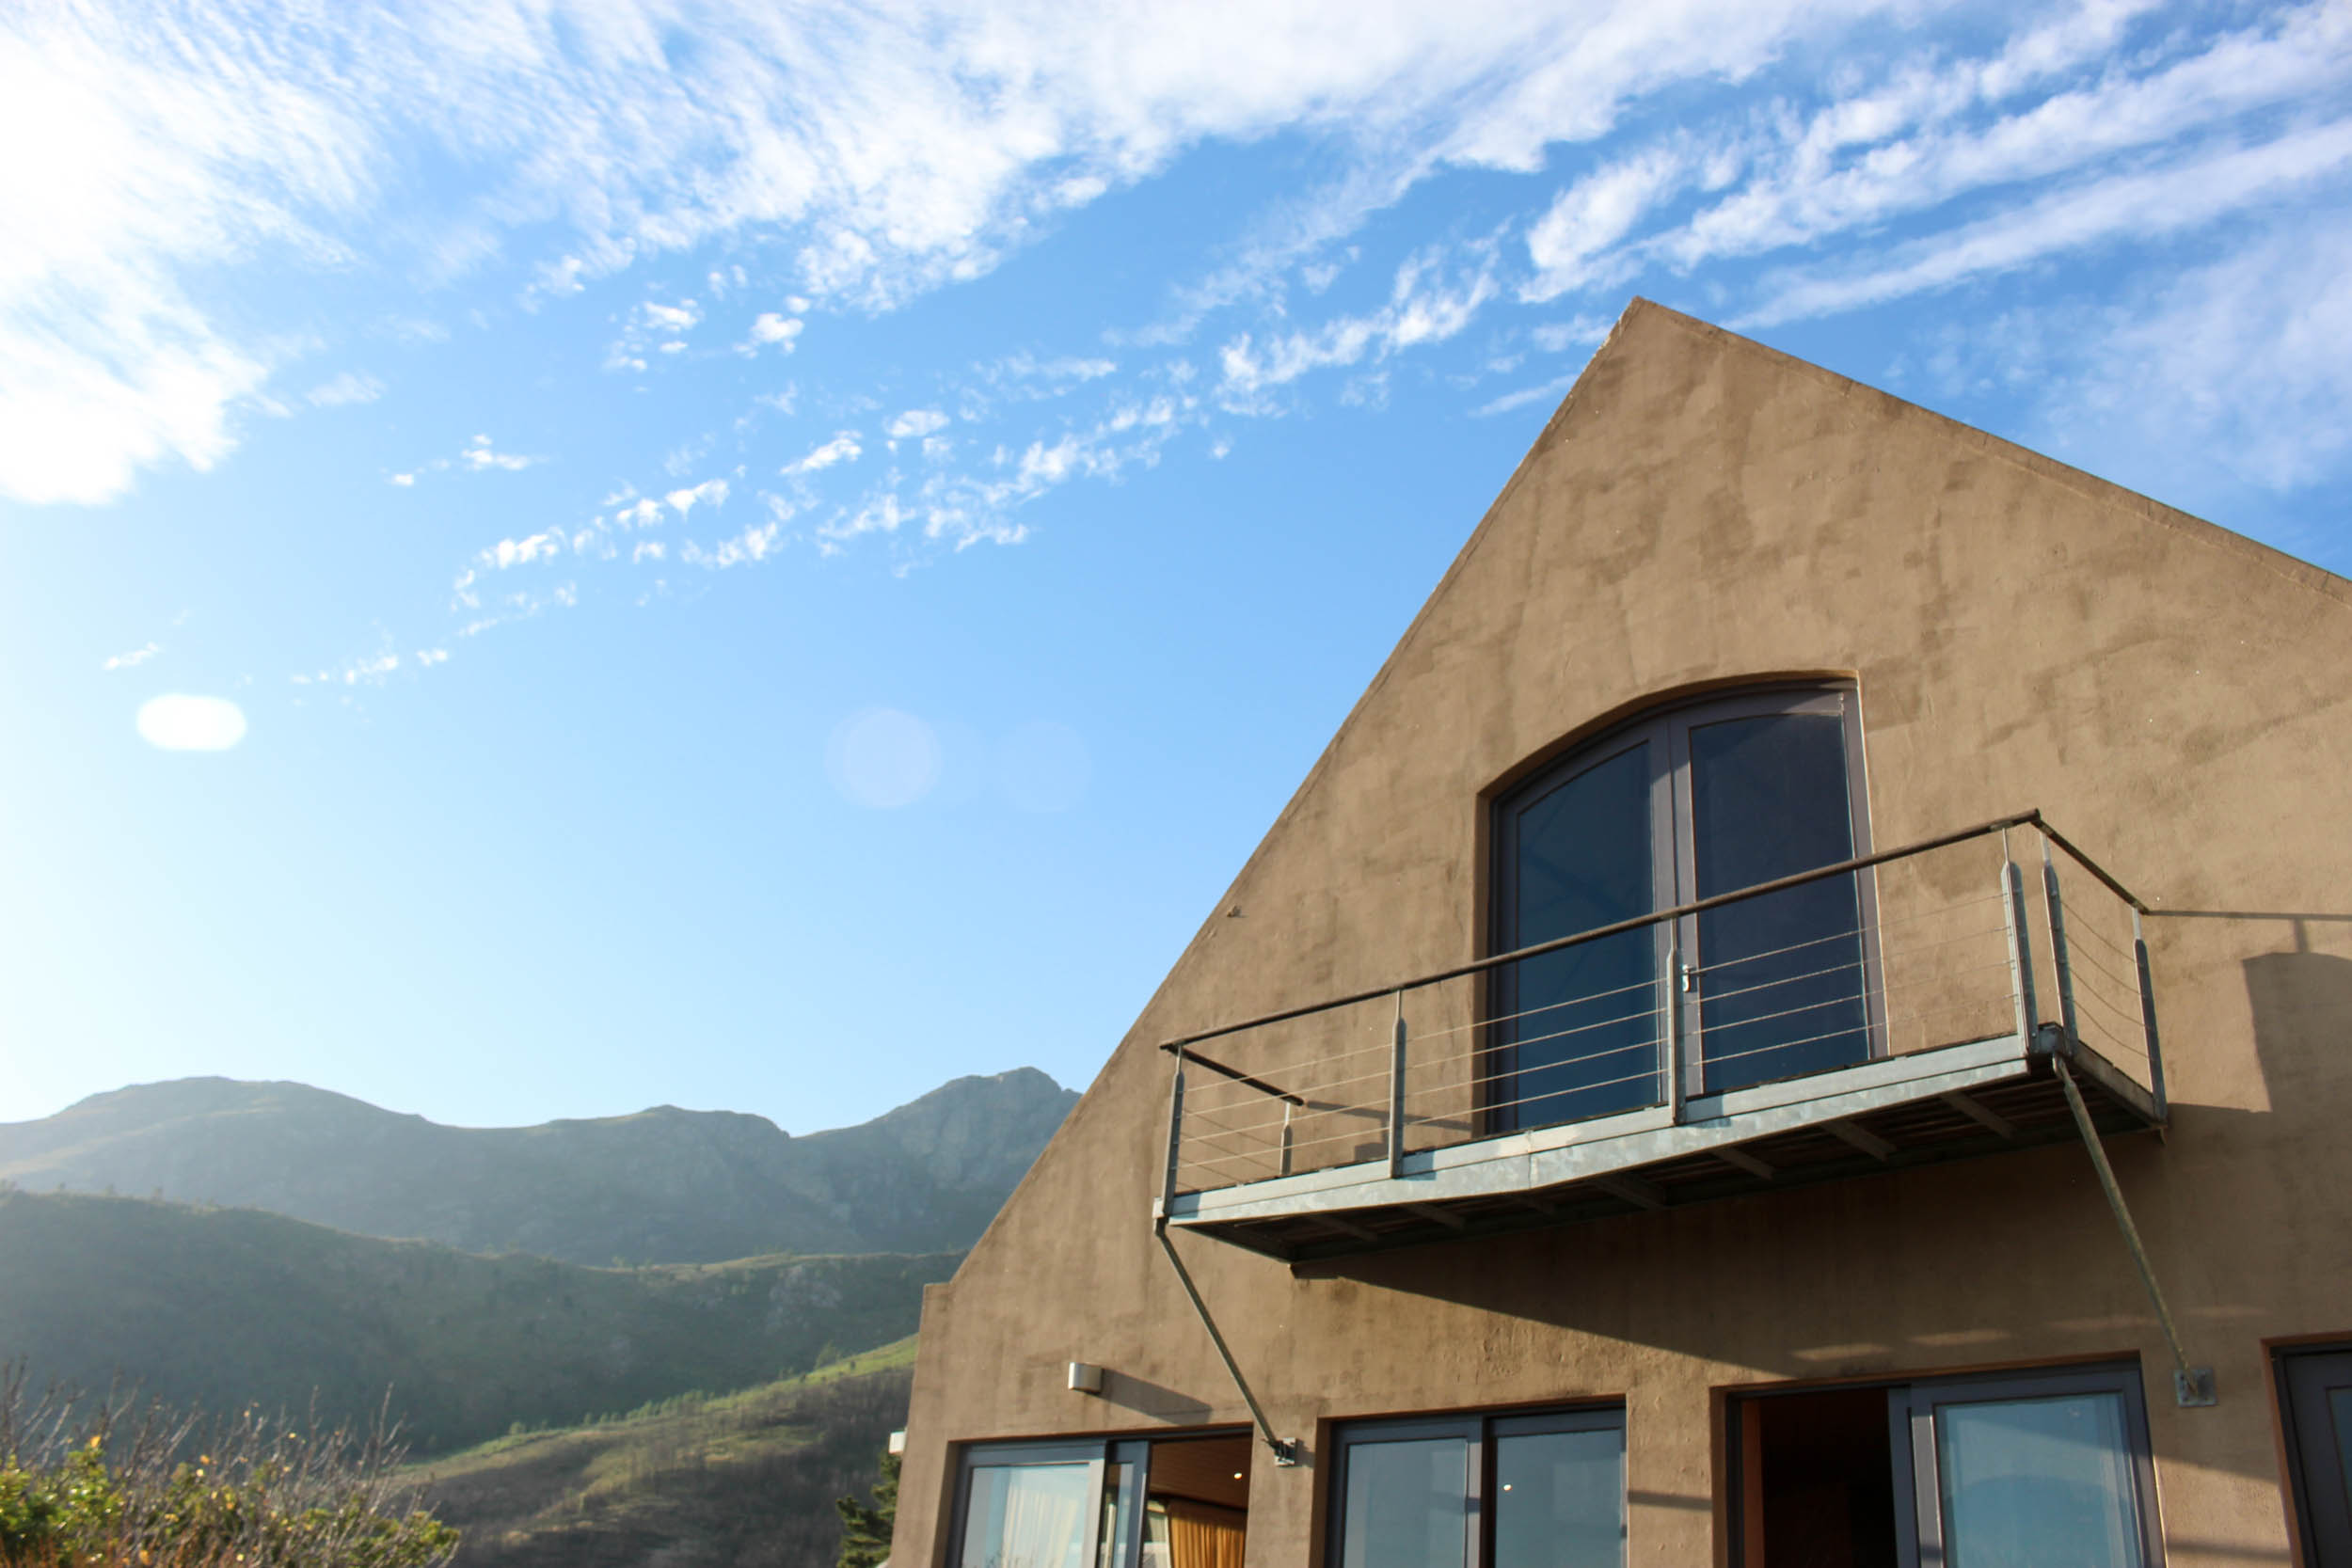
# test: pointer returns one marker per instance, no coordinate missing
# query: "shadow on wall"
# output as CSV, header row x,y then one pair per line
x,y
2301,1002
1154,1399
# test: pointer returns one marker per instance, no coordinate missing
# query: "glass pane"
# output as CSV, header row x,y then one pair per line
x,y
1029,1516
1560,1500
2036,1484
1407,1505
1781,985
2340,1417
1581,1025
1123,1494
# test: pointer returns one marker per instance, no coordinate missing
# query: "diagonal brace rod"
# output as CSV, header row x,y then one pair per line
x,y
1285,1451
2191,1386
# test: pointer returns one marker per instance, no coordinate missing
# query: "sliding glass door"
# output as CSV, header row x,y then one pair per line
x,y
2040,1470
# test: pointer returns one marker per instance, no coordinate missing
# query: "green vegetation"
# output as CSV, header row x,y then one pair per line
x,y
715,1481
663,1185
217,1308
86,1487
866,1530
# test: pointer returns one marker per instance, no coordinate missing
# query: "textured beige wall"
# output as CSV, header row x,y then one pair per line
x,y
1704,510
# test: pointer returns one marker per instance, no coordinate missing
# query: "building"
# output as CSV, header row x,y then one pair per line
x,y
1763,1231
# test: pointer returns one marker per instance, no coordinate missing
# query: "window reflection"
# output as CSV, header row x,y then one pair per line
x,y
1030,1517
1560,1500
1407,1504
2036,1484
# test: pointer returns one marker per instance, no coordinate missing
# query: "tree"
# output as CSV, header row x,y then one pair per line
x,y
866,1532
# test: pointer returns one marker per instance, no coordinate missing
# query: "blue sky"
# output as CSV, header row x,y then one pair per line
x,y
561,557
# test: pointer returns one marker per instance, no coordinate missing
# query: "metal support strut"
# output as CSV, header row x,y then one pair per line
x,y
1285,1451
2192,1386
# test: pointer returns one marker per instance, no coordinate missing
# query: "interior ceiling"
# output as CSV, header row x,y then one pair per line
x,y
1206,1469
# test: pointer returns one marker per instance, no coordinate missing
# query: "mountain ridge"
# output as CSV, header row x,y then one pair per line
x,y
659,1185
217,1308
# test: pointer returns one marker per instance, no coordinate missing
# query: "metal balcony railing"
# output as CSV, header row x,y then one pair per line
x,y
1925,1028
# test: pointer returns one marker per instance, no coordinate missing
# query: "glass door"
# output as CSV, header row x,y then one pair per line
x,y
1699,800
2023,1470
1779,984
2036,1472
1576,1033
2315,1390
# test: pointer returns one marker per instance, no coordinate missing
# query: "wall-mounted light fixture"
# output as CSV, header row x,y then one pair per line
x,y
1084,1378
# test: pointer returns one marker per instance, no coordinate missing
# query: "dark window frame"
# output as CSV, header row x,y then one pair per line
x,y
1479,1429
1673,871
2323,1533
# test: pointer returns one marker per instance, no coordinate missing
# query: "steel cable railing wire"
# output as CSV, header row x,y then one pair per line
x,y
1713,1057
1375,1110
1878,929
1533,1039
1844,996
1269,1159
2080,958
1884,960
1648,1072
1384,1046
1474,1080
2078,925
1717,1031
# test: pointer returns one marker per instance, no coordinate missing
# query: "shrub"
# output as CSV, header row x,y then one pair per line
x,y
113,1484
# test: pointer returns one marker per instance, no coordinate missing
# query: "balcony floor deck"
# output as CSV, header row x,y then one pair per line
x,y
1952,1103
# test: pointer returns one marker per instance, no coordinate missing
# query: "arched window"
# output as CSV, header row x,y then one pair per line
x,y
1693,802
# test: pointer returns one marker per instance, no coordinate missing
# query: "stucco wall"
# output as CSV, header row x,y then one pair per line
x,y
1704,510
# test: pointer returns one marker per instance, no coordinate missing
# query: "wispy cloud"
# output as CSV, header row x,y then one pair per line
x,y
1426,305
349,387
767,329
2184,194
134,658
899,148
710,491
843,448
481,453
914,423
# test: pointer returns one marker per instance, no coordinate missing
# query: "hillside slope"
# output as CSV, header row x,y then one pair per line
x,y
746,1481
664,1185
217,1308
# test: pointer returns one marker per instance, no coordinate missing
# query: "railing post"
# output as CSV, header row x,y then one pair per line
x,y
2020,946
2057,945
1396,1094
1671,1031
1287,1108
2148,1018
1175,1140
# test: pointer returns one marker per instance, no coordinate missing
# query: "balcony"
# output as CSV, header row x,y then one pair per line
x,y
1950,1022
